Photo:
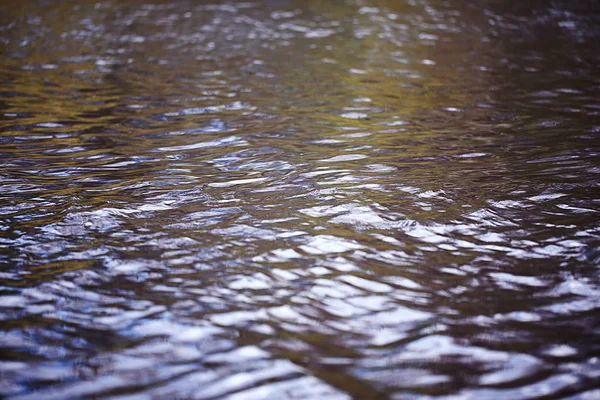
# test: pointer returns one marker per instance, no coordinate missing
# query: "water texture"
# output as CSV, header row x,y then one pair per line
x,y
360,199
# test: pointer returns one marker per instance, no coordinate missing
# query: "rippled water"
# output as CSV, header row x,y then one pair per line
x,y
299,200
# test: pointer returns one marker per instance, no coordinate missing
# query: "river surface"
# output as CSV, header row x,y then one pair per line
x,y
299,199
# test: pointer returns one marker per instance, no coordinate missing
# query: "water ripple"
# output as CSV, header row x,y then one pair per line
x,y
280,200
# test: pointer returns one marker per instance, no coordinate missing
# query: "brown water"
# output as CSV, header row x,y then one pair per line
x,y
299,200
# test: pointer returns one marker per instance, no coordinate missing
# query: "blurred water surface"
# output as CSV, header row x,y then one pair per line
x,y
299,199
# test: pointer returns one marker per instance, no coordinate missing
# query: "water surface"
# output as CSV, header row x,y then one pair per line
x,y
299,200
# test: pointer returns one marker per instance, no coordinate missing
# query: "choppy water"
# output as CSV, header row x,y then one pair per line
x,y
299,200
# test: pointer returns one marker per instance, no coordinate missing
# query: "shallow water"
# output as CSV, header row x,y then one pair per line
x,y
299,200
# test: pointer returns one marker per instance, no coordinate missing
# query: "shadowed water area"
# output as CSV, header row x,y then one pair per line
x,y
360,199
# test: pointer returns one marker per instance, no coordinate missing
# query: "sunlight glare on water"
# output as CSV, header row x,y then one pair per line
x,y
361,199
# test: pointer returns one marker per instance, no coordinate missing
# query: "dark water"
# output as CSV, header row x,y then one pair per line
x,y
299,200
